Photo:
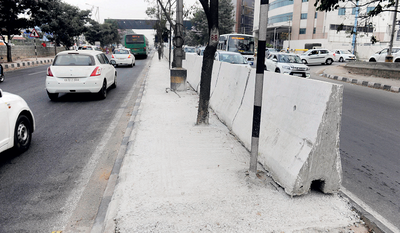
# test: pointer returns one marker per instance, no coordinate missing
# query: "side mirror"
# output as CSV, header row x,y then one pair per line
x,y
113,63
274,59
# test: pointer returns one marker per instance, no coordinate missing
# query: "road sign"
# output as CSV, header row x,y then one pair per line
x,y
34,33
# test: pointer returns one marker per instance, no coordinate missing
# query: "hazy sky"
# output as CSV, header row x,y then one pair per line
x,y
117,9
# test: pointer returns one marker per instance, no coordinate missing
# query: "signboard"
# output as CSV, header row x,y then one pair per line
x,y
34,33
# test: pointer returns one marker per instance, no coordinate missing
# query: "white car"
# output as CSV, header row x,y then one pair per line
x,y
344,55
381,55
287,63
123,57
318,56
17,123
231,57
82,71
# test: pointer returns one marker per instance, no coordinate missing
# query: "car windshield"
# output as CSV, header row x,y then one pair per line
x,y
73,60
233,58
289,59
121,51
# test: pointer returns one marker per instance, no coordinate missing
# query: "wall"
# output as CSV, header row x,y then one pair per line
x,y
300,125
28,51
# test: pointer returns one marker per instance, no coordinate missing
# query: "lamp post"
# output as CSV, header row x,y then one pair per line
x,y
389,56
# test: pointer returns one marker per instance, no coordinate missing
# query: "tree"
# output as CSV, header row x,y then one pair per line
x,y
106,33
199,33
10,21
211,11
61,20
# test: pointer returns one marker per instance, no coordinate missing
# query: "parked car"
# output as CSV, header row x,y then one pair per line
x,y
81,71
17,123
318,56
381,55
189,49
200,51
287,63
123,57
344,55
231,57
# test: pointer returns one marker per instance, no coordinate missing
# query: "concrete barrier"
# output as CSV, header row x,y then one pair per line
x,y
300,125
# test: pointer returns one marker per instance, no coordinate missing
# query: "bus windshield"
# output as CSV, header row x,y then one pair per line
x,y
241,44
134,39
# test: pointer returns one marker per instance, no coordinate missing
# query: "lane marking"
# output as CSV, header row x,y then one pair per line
x,y
369,210
38,73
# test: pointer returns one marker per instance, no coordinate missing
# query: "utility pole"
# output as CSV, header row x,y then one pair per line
x,y
258,90
177,73
353,47
389,56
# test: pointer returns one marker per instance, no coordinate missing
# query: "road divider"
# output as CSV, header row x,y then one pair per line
x,y
300,122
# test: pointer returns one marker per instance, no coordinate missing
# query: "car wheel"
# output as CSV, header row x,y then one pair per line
x,y
22,134
277,70
304,61
103,91
372,60
341,59
329,61
2,79
53,96
265,67
132,64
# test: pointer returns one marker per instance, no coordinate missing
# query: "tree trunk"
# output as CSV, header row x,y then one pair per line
x,y
205,84
9,57
211,12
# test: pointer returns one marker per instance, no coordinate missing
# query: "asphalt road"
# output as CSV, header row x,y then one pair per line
x,y
59,182
370,147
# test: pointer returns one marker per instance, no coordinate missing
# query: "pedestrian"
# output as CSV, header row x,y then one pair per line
x,y
159,51
1,73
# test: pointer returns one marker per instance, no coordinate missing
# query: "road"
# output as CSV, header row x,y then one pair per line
x,y
370,148
59,182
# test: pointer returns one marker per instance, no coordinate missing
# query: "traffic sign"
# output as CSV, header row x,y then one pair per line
x,y
34,33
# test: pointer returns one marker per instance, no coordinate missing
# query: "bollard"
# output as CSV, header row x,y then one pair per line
x,y
178,79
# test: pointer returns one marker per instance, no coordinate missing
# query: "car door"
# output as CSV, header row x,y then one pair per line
x,y
382,55
313,57
323,55
106,68
271,62
4,123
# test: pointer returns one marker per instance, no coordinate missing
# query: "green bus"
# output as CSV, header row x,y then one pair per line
x,y
137,43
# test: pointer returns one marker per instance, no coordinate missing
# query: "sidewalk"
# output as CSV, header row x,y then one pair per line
x,y
180,177
342,74
25,63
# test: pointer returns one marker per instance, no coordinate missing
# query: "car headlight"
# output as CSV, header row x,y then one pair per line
x,y
287,67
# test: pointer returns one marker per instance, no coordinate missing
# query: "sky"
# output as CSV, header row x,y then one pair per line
x,y
118,9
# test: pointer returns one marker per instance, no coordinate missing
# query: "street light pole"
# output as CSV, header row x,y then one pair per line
x,y
389,56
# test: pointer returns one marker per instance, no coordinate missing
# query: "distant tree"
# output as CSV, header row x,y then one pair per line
x,y
110,33
11,22
199,33
62,21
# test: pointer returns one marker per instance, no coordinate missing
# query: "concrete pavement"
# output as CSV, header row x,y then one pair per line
x,y
180,177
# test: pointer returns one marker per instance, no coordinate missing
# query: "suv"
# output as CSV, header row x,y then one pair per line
x,y
287,63
318,56
380,56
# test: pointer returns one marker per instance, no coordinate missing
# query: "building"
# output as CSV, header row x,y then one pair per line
x,y
296,23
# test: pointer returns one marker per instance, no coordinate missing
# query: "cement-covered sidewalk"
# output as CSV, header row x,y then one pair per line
x,y
180,177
